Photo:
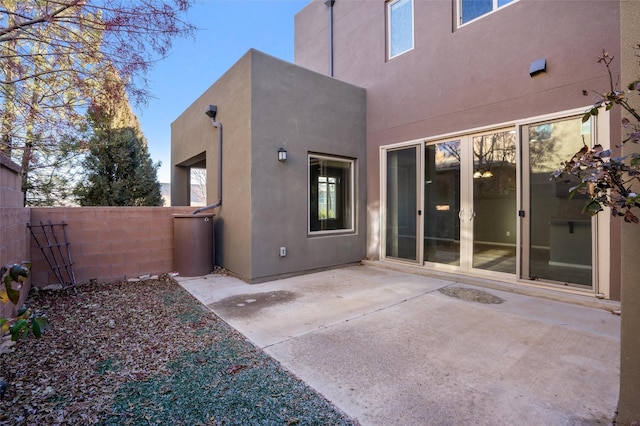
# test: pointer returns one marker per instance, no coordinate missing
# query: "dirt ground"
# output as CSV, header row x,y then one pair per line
x,y
147,352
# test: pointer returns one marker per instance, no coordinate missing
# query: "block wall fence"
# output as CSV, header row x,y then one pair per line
x,y
108,243
14,236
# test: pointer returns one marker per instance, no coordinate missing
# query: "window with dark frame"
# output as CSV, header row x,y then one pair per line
x,y
330,194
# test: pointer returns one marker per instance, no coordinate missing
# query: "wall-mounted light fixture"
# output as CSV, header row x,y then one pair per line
x,y
282,154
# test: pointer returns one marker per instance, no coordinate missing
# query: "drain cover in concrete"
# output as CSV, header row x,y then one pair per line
x,y
249,304
471,295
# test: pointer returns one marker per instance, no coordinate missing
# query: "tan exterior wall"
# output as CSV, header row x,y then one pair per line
x,y
192,134
109,243
453,80
265,104
457,79
14,243
303,112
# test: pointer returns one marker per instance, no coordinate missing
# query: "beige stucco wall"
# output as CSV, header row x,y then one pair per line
x,y
457,79
303,112
192,134
265,104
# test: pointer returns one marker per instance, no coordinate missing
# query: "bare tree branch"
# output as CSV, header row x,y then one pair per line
x,y
55,57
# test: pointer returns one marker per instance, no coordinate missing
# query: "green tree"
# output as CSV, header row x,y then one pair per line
x,y
118,170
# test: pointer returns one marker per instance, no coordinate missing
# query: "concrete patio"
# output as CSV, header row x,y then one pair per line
x,y
390,347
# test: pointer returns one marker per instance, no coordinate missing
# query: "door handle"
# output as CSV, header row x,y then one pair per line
x,y
473,215
461,214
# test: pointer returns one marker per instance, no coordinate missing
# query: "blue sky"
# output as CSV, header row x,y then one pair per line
x,y
228,28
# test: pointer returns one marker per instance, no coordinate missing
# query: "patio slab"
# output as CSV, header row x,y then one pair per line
x,y
390,347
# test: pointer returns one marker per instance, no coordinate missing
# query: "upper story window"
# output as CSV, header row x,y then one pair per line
x,y
472,9
399,27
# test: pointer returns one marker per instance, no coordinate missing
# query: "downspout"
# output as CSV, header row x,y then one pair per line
x,y
329,4
211,113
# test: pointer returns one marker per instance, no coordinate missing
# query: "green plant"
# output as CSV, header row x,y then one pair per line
x,y
13,276
608,180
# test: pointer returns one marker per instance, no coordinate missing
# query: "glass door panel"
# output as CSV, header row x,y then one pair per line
x,y
560,235
494,202
401,230
442,203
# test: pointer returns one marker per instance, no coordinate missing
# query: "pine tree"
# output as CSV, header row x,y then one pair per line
x,y
119,171
118,168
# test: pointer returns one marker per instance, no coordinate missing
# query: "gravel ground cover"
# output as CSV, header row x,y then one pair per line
x,y
147,353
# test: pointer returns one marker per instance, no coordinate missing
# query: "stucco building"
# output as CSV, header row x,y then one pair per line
x,y
420,133
266,108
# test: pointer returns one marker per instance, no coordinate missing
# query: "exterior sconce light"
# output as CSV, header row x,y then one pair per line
x,y
282,154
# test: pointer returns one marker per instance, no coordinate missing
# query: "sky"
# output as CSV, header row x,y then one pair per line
x,y
227,30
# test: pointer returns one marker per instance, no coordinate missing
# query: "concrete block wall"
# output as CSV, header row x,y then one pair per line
x,y
14,237
109,243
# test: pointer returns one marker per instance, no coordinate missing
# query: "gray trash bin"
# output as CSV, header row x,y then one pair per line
x,y
193,244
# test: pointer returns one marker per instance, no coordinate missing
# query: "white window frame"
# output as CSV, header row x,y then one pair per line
x,y
494,9
350,209
389,5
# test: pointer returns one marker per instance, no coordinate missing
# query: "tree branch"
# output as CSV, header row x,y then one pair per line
x,y
38,20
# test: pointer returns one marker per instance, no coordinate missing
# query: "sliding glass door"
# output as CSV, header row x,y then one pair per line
x,y
401,205
470,202
486,203
558,237
442,203
494,201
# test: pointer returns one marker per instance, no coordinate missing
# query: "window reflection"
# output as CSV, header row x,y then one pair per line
x,y
494,202
330,194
